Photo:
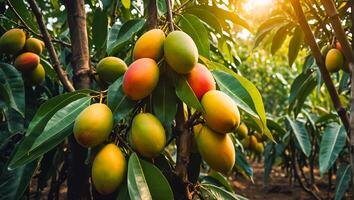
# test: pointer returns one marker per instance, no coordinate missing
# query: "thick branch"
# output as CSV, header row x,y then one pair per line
x,y
152,14
169,15
49,45
311,41
78,174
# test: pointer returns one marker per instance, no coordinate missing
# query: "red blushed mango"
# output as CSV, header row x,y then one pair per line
x,y
141,78
26,62
220,112
36,76
93,125
149,45
201,80
12,41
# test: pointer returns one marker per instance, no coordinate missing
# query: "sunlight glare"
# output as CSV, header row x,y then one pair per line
x,y
252,5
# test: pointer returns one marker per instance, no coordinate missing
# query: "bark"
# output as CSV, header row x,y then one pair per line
x,y
152,14
78,173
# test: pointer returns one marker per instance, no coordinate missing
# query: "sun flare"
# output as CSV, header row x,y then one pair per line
x,y
251,5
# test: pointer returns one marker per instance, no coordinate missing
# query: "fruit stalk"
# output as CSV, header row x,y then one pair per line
x,y
310,40
331,10
49,45
78,174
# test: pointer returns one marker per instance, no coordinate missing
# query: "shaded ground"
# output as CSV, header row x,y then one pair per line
x,y
277,188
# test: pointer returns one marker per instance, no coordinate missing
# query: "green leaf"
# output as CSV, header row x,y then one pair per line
x,y
158,185
208,17
164,101
295,44
300,89
161,7
301,135
126,32
217,193
344,175
49,71
11,88
14,120
145,181
39,121
123,193
137,185
195,28
118,102
186,94
332,143
245,94
126,4
99,28
224,15
216,177
279,38
267,26
242,164
24,13
13,183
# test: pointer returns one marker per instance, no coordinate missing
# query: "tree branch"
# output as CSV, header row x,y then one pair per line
x,y
24,24
311,41
78,174
152,14
50,47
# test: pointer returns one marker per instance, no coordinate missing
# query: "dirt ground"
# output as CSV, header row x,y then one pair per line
x,y
278,187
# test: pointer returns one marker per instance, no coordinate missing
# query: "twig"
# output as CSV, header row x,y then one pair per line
x,y
49,45
24,24
169,15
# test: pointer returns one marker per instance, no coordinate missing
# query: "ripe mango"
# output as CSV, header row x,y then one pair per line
x,y
93,125
220,112
201,80
12,41
216,149
180,52
253,142
148,135
339,46
149,45
334,60
259,148
34,45
26,62
110,69
242,131
36,76
141,78
108,169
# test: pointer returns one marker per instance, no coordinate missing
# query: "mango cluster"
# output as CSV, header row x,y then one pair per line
x,y
252,142
334,58
26,52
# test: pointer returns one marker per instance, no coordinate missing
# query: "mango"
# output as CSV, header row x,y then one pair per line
x,y
34,45
259,148
180,52
36,76
26,62
216,149
246,142
149,45
110,69
201,80
325,49
93,125
339,46
148,135
253,143
220,112
242,131
334,60
108,169
12,41
141,78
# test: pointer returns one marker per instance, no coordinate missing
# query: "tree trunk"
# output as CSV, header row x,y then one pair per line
x,y
78,173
